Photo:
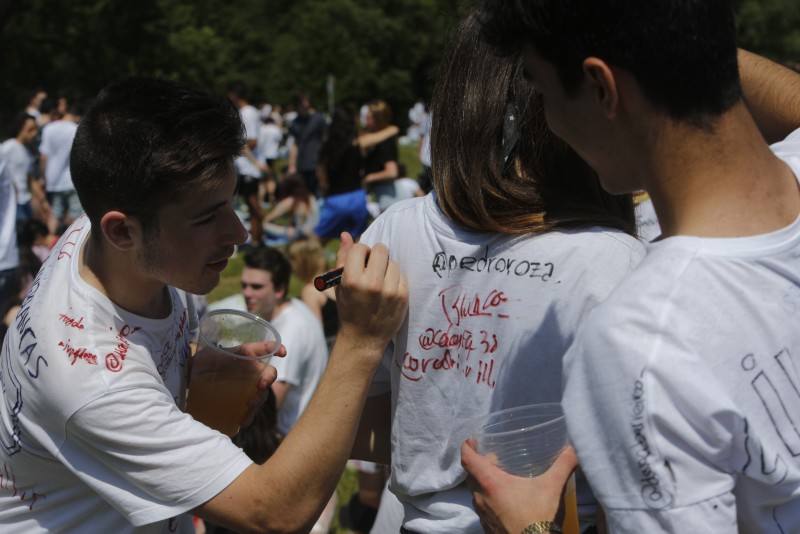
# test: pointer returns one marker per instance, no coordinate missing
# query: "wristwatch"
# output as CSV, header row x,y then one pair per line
x,y
542,527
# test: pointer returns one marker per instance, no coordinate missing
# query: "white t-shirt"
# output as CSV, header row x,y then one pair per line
x,y
683,389
18,166
56,144
305,361
9,254
252,123
92,432
490,318
269,141
647,221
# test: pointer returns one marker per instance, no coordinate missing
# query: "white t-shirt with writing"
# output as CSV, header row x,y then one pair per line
x,y
490,318
56,144
251,120
683,389
18,166
305,361
92,433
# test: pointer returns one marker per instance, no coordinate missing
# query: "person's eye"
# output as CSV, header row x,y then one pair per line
x,y
204,220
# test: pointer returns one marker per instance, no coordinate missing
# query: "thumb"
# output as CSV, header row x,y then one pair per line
x,y
479,467
344,247
563,467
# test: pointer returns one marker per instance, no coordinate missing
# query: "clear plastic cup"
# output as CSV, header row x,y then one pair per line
x,y
224,378
525,440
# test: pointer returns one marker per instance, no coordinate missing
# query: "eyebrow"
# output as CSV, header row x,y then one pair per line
x,y
209,210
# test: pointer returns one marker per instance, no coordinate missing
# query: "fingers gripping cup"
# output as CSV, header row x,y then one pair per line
x,y
233,352
525,440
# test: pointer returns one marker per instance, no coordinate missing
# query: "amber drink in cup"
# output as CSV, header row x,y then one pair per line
x,y
225,374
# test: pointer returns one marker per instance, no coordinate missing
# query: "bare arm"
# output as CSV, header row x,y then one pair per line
x,y
772,93
289,491
282,208
368,140
390,172
372,439
293,158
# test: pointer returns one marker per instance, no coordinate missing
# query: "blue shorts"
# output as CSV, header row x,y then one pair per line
x,y
343,213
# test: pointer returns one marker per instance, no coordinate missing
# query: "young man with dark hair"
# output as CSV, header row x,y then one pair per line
x,y
96,365
265,288
682,390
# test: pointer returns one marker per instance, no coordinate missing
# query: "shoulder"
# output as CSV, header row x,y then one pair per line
x,y
404,215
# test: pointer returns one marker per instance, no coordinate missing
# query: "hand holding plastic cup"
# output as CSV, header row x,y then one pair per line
x,y
233,352
524,440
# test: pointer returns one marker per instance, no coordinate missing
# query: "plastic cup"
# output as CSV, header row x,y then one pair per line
x,y
525,440
224,379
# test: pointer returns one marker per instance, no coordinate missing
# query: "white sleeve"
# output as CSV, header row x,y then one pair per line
x,y
654,437
145,457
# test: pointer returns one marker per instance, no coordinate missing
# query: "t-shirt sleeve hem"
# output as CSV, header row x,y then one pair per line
x,y
224,479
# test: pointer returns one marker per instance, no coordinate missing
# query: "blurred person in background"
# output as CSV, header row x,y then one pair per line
x,y
380,161
297,207
308,261
306,131
14,152
54,156
248,168
35,103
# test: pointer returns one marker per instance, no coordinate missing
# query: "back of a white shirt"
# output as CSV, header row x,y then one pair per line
x,y
18,166
9,254
56,145
490,318
683,389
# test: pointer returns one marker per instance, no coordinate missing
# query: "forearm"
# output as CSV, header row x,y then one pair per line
x,y
303,473
772,93
371,139
389,172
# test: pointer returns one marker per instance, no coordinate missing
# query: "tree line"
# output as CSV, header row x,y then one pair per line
x,y
386,49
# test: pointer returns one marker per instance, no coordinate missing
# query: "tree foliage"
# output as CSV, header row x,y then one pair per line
x,y
374,48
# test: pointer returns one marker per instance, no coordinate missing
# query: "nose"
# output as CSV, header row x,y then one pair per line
x,y
236,233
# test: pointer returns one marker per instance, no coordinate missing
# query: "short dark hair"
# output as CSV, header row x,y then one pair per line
x,y
143,141
682,52
273,261
18,122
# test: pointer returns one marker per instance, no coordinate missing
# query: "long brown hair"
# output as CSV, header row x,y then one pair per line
x,y
481,105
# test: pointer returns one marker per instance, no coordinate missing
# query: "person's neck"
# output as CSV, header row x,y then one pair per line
x,y
278,309
111,272
720,183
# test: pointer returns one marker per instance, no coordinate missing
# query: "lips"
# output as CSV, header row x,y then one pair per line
x,y
220,264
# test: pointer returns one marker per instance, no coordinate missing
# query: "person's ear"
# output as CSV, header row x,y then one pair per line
x,y
281,293
121,231
602,85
